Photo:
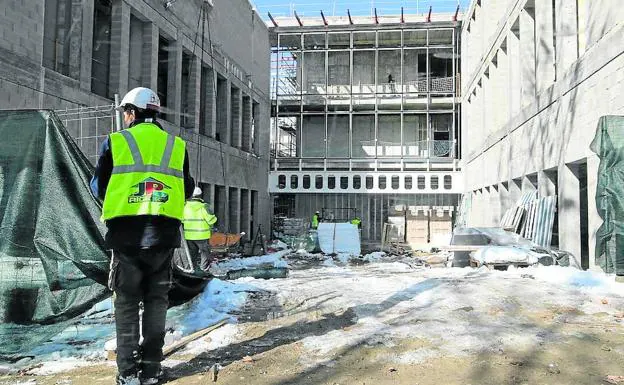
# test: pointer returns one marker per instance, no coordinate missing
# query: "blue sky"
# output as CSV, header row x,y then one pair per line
x,y
356,7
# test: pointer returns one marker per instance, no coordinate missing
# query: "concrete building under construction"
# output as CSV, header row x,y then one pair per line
x,y
365,116
207,60
536,78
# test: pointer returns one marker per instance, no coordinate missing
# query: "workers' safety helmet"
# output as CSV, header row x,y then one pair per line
x,y
197,192
317,212
142,98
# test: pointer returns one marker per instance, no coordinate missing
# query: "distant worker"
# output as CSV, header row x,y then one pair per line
x,y
142,175
357,221
390,79
198,224
315,220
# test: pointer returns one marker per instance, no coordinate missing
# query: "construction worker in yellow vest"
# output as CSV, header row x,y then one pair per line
x,y
198,224
315,220
356,221
142,175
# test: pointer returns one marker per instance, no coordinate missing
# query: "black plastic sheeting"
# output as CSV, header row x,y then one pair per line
x,y
53,265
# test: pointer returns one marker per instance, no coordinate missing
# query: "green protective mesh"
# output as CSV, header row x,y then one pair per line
x,y
52,261
608,144
53,265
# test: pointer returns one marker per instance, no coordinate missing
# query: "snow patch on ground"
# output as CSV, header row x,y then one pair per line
x,y
460,311
274,260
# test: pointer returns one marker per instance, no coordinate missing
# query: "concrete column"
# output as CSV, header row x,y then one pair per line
x,y
566,35
222,195
527,55
245,214
211,103
194,89
228,115
505,197
502,75
174,82
545,34
247,118
237,119
569,213
150,56
88,8
593,218
120,48
515,190
514,88
546,186
75,36
234,200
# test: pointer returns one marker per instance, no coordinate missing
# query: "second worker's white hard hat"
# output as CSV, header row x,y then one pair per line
x,y
197,192
141,97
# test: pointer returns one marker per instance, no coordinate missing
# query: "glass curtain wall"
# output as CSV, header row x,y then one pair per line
x,y
365,94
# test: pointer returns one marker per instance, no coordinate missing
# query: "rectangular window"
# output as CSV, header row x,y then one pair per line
x,y
235,116
415,38
415,135
281,181
62,34
448,182
137,47
395,182
369,182
382,182
408,182
357,182
338,40
434,182
222,110
318,182
206,101
186,118
363,145
294,181
363,39
331,182
313,136
389,135
100,58
344,182
306,182
337,136
420,182
314,41
163,72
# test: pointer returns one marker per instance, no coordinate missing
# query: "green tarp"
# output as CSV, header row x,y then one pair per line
x,y
608,144
53,266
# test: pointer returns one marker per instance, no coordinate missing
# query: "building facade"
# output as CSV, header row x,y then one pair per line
x,y
365,115
536,77
208,63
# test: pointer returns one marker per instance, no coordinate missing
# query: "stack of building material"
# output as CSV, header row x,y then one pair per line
x,y
441,225
532,217
417,226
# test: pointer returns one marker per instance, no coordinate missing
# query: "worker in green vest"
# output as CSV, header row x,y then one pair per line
x,y
315,220
142,175
198,224
357,221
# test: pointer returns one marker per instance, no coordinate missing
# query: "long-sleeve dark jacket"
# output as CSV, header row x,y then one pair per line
x,y
127,234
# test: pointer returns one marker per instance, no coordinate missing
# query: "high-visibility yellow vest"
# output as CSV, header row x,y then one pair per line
x,y
315,221
356,221
147,176
198,221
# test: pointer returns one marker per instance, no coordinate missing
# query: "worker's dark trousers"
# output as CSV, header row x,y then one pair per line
x,y
200,254
141,276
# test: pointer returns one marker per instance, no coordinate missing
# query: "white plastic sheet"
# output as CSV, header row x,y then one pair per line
x,y
505,254
339,238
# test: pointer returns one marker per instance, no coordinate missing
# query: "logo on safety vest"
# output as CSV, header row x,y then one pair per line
x,y
150,190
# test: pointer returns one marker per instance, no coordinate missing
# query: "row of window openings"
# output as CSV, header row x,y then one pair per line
x,y
434,182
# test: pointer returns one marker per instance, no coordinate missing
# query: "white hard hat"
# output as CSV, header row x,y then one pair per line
x,y
197,192
141,97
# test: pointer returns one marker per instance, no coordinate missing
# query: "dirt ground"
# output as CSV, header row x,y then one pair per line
x,y
270,352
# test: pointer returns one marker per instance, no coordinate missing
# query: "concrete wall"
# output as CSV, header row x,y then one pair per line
x,y
562,73
30,79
